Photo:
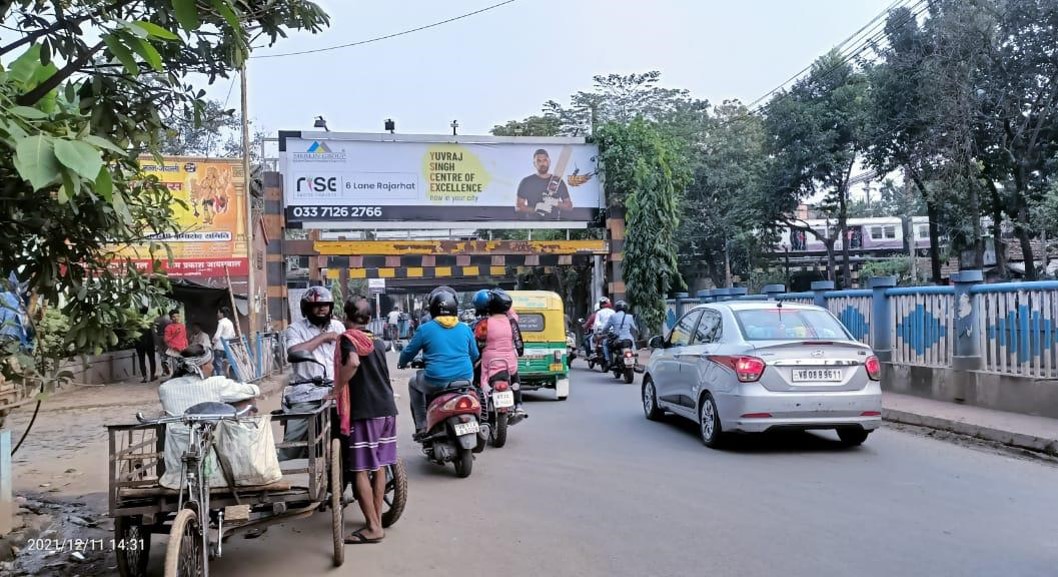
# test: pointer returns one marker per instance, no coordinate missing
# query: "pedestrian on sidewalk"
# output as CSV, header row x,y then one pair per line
x,y
160,324
367,414
145,351
175,338
225,331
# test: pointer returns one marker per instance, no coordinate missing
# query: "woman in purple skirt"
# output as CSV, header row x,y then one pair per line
x,y
367,414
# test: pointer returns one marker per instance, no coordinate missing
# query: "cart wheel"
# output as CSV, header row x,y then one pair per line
x,y
184,556
337,517
132,545
396,493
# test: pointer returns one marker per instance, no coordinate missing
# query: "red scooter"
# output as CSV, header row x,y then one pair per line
x,y
454,429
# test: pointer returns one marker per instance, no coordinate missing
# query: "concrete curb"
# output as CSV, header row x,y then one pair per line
x,y
1019,440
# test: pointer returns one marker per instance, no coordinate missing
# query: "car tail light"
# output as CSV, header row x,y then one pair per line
x,y
500,386
874,368
757,416
747,369
870,414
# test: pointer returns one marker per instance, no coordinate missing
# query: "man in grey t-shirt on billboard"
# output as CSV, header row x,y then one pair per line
x,y
543,193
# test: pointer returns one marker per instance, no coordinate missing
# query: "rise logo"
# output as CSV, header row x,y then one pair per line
x,y
317,184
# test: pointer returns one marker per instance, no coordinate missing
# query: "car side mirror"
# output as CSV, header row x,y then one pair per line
x,y
300,357
657,342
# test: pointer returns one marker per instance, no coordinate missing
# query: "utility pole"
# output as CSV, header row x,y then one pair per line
x,y
251,288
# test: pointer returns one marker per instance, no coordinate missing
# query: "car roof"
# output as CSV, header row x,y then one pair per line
x,y
759,305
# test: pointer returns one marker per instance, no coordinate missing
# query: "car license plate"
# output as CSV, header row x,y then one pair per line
x,y
503,399
466,428
817,375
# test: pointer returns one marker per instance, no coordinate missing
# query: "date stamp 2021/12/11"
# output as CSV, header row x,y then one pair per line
x,y
84,545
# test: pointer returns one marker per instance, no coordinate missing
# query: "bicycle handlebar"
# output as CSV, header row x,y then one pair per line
x,y
192,418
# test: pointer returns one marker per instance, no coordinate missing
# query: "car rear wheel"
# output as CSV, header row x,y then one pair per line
x,y
650,401
709,423
852,437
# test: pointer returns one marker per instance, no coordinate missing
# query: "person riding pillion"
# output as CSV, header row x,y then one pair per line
x,y
602,316
620,327
317,334
448,351
499,338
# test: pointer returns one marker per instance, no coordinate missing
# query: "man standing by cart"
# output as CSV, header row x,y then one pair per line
x,y
367,415
317,334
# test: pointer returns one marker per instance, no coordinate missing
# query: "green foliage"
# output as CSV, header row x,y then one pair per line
x,y
900,267
82,95
646,171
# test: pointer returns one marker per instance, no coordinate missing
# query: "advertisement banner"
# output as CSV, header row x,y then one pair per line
x,y
335,179
211,225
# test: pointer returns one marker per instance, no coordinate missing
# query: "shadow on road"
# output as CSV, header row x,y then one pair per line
x,y
777,442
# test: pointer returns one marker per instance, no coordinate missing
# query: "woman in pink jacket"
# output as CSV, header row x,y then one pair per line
x,y
499,339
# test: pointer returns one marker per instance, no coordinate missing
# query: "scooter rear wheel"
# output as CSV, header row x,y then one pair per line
x,y
464,463
499,434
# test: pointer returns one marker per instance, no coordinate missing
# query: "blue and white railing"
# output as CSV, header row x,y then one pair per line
x,y
1006,328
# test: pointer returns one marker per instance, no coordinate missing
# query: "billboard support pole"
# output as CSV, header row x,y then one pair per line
x,y
251,288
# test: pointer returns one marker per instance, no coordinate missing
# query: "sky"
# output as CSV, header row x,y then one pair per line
x,y
505,63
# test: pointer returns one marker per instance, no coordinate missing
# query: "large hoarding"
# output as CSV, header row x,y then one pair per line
x,y
357,180
210,241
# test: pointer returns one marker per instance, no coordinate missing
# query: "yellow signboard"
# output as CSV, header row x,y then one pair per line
x,y
211,225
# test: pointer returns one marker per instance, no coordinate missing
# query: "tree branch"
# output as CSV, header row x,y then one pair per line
x,y
59,24
30,98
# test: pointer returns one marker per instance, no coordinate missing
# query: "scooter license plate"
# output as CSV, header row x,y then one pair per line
x,y
466,428
503,399
629,361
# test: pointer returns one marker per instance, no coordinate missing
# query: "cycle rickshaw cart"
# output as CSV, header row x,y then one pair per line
x,y
199,519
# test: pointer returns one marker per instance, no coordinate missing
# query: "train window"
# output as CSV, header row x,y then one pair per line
x,y
890,231
880,232
923,231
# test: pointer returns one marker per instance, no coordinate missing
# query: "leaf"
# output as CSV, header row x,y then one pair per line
x,y
28,113
35,161
25,67
81,157
226,11
148,52
122,53
156,31
71,185
105,184
99,142
186,14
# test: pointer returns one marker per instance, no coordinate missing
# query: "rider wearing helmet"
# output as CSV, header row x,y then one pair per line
x,y
500,340
619,328
448,351
317,332
602,316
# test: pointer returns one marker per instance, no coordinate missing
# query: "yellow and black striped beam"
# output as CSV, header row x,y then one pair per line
x,y
445,247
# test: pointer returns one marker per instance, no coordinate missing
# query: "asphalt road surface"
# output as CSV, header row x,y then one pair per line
x,y
589,487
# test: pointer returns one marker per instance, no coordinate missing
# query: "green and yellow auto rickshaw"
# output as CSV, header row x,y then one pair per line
x,y
543,323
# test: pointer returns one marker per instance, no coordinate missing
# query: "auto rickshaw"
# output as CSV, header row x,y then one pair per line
x,y
543,323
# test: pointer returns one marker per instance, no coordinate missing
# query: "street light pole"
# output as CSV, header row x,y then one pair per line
x,y
251,288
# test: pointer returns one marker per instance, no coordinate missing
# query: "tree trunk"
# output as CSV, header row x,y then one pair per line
x,y
997,230
934,232
727,264
831,265
843,227
1022,230
975,204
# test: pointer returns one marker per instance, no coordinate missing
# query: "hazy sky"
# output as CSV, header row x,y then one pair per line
x,y
503,64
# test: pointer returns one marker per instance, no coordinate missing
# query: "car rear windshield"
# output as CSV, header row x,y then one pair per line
x,y
531,322
789,325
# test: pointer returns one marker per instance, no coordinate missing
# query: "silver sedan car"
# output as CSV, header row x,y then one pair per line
x,y
757,366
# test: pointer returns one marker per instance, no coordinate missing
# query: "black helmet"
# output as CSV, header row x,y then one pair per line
x,y
500,302
443,302
620,307
442,289
316,295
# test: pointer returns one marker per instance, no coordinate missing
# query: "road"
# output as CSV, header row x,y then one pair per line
x,y
588,487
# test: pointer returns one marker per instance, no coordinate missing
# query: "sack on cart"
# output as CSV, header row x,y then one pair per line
x,y
247,446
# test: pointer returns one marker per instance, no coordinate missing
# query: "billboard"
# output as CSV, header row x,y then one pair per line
x,y
211,226
358,179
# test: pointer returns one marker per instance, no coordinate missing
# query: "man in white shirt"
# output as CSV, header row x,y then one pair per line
x,y
316,333
193,383
393,324
602,317
225,331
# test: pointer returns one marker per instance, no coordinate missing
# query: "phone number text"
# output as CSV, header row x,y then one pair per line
x,y
336,211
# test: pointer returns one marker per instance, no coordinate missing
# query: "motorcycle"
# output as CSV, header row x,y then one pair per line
x,y
623,360
454,430
499,405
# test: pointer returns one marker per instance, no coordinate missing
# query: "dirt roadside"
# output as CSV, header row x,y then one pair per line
x,y
60,478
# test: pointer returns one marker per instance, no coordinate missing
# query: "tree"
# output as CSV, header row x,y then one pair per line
x,y
202,132
531,126
646,172
723,204
817,135
84,92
